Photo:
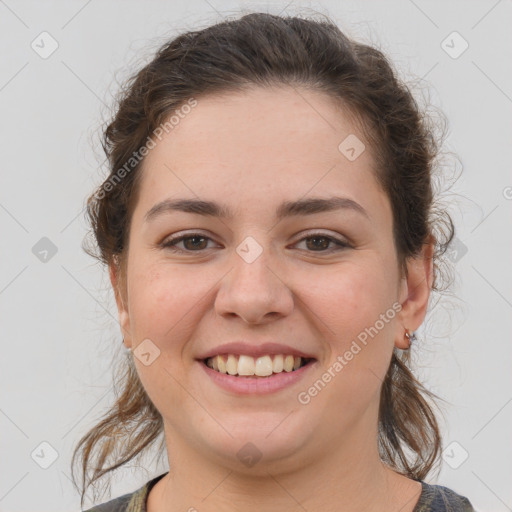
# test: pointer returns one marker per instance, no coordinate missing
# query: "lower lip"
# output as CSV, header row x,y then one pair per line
x,y
256,385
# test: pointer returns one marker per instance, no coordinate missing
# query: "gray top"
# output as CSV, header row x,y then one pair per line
x,y
433,498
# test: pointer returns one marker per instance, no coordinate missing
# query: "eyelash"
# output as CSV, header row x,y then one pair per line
x,y
170,244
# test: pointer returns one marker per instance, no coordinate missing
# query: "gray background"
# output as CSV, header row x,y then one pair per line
x,y
60,331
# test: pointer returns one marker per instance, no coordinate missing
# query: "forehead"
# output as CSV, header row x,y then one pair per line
x,y
283,121
257,144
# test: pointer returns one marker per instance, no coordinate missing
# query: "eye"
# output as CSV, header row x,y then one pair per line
x,y
197,242
320,241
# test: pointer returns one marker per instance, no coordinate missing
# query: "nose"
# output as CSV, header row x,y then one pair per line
x,y
254,291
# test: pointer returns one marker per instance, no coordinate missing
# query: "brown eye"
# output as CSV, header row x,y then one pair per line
x,y
197,242
192,243
320,243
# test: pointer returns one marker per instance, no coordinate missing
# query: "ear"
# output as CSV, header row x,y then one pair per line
x,y
415,292
120,295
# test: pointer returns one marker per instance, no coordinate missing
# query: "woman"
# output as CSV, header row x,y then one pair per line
x,y
272,240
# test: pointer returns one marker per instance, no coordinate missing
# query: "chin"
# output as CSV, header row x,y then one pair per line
x,y
257,448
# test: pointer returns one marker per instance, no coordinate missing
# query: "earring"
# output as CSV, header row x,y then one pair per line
x,y
410,338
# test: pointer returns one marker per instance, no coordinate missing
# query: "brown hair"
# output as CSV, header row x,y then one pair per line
x,y
264,50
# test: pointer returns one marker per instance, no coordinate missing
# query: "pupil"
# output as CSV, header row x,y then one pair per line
x,y
194,245
321,246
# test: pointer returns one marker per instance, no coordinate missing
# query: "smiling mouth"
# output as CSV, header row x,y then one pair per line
x,y
248,366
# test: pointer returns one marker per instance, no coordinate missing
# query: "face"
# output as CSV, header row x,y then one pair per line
x,y
313,280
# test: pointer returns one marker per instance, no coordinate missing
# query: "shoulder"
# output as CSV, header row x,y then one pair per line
x,y
126,503
121,504
131,502
437,498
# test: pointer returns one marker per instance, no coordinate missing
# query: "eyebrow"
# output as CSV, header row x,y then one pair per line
x,y
308,206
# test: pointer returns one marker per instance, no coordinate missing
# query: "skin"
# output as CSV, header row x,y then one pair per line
x,y
250,151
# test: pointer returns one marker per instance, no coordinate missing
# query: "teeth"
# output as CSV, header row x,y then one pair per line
x,y
288,363
277,365
221,363
232,365
245,365
263,366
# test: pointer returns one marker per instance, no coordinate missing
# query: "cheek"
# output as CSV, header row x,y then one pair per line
x,y
356,308
164,308
351,299
165,302
352,304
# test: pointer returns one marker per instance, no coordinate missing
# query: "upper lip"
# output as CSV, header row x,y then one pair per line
x,y
254,350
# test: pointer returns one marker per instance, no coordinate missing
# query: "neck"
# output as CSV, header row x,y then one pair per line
x,y
350,478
